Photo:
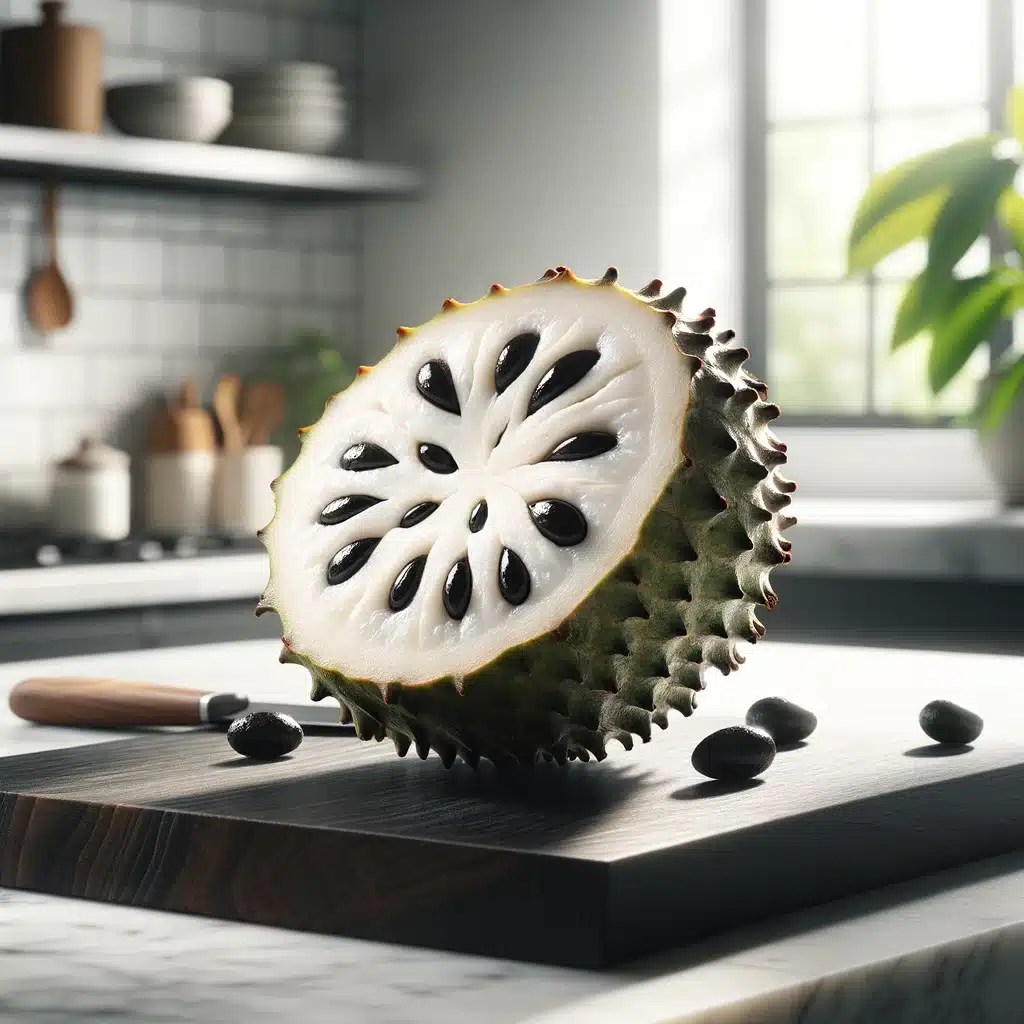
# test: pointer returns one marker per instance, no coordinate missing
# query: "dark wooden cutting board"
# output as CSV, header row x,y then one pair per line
x,y
588,865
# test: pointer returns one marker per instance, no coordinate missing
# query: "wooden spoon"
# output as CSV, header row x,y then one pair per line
x,y
225,405
50,305
262,410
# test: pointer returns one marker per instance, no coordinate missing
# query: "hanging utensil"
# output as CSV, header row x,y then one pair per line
x,y
50,305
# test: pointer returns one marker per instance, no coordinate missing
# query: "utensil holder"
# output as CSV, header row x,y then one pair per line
x,y
243,501
179,492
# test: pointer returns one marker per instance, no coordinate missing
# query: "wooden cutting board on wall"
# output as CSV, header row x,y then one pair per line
x,y
586,866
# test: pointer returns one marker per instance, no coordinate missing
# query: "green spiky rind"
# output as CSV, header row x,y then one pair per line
x,y
638,645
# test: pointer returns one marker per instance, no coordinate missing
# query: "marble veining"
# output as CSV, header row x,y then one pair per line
x,y
64,960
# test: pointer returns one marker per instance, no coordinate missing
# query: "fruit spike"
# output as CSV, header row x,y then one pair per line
x,y
361,371
689,514
404,332
450,304
496,289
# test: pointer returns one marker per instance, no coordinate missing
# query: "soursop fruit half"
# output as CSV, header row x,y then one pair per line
x,y
532,525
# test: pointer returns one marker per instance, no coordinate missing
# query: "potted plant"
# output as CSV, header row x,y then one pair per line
x,y
311,369
950,197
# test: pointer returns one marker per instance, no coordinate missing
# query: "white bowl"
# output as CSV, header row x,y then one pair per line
x,y
289,107
304,134
284,77
186,110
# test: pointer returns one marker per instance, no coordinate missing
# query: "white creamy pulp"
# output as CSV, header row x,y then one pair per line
x,y
637,390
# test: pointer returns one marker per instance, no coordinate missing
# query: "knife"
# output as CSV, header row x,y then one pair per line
x,y
111,703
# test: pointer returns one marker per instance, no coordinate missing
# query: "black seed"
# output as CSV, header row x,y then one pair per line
x,y
583,446
458,589
514,358
434,382
406,584
560,522
345,508
783,720
264,735
568,370
350,559
478,517
513,577
437,459
418,513
950,724
366,455
734,753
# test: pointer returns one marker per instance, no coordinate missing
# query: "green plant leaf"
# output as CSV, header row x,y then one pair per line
x,y
965,216
1014,112
1002,396
913,220
970,323
1010,211
921,308
922,183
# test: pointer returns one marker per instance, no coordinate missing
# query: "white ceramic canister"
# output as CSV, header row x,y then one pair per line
x,y
243,501
179,491
91,497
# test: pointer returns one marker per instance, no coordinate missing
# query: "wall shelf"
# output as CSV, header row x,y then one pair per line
x,y
154,163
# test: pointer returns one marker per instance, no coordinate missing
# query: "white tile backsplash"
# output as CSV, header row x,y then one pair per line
x,y
273,272
238,35
197,267
126,264
171,27
166,284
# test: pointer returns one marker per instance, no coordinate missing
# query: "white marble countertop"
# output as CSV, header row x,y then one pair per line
x,y
946,947
977,540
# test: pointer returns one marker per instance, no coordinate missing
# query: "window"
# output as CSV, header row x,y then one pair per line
x,y
834,93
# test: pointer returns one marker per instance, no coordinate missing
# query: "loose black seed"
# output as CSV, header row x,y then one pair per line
x,y
345,508
350,559
437,459
418,513
513,359
950,724
513,577
783,720
366,455
568,370
264,735
734,753
583,446
560,522
406,584
478,517
458,589
434,382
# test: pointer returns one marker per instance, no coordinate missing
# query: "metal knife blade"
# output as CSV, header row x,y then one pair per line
x,y
324,716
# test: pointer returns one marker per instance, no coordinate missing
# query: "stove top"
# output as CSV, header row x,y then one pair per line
x,y
39,550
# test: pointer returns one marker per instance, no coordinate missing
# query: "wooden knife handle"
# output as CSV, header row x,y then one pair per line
x,y
69,700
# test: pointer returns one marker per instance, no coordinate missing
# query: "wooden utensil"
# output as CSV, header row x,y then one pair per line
x,y
183,426
50,306
225,404
262,411
113,703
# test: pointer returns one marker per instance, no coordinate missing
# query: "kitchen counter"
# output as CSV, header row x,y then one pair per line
x,y
942,947
870,537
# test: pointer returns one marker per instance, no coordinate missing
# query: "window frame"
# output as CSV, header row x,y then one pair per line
x,y
755,132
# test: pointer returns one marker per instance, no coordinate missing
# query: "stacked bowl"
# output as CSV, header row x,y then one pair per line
x,y
297,107
184,109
